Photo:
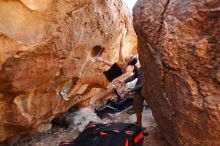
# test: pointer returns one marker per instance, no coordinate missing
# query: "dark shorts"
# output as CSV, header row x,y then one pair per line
x,y
138,102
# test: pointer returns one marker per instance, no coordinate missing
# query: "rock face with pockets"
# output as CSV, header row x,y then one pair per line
x,y
179,47
46,43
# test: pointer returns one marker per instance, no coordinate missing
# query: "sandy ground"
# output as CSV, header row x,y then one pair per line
x,y
80,118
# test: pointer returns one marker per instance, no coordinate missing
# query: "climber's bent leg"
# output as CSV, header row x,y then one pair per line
x,y
105,94
99,80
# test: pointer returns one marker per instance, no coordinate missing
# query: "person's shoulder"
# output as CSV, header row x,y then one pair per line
x,y
140,71
135,69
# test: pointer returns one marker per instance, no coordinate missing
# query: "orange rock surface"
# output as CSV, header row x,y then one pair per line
x,y
43,45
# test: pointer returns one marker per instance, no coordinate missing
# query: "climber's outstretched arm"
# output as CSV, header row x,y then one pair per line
x,y
121,60
107,63
104,61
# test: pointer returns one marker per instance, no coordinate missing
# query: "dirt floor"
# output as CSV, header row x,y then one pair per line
x,y
79,118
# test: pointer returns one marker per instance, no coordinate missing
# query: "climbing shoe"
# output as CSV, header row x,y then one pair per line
x,y
63,95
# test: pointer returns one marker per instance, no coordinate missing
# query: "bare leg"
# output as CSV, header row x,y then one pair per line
x,y
71,86
95,80
139,118
88,89
67,88
105,94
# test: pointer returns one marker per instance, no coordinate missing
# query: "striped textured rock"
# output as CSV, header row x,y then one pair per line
x,y
179,47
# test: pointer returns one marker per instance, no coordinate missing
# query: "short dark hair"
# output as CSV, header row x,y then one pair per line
x,y
133,61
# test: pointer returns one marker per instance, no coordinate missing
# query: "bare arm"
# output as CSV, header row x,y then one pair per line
x,y
107,63
131,78
121,60
104,61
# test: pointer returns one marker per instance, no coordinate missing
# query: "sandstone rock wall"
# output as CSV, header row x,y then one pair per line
x,y
46,43
179,47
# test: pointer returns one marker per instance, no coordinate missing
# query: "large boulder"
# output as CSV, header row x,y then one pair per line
x,y
44,44
179,47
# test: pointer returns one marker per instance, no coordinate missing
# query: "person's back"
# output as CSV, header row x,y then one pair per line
x,y
138,73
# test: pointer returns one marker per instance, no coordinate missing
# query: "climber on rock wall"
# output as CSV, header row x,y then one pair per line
x,y
102,80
